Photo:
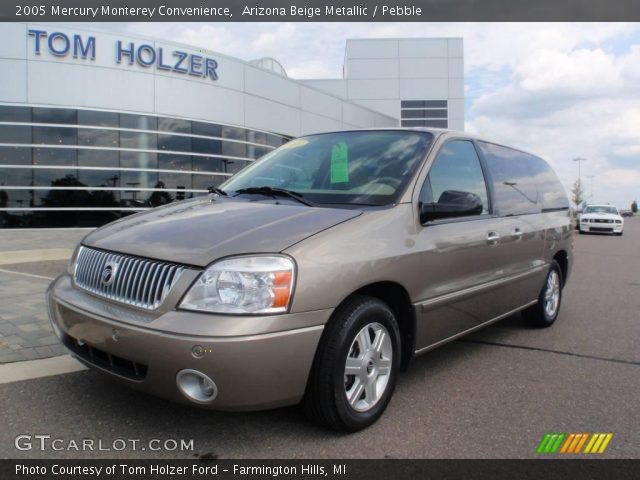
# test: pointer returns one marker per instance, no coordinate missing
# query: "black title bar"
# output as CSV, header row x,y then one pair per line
x,y
117,469
318,10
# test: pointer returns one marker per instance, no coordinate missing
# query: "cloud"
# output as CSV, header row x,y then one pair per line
x,y
560,90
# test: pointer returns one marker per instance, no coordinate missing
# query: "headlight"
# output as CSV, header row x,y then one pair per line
x,y
618,221
243,285
584,220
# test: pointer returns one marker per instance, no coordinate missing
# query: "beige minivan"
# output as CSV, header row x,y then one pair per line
x,y
317,273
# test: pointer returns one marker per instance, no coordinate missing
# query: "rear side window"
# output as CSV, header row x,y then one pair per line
x,y
514,186
456,168
551,193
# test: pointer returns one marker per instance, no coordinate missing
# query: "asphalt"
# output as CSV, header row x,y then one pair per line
x,y
492,395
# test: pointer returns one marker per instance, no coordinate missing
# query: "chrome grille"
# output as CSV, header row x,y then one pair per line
x,y
124,278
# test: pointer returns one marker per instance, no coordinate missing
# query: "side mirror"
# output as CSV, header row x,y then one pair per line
x,y
451,204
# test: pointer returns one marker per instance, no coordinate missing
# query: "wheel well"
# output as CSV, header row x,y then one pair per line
x,y
563,261
397,298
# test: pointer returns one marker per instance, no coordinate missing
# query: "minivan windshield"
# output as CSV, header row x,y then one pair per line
x,y
601,209
350,168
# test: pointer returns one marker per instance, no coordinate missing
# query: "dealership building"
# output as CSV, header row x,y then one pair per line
x,y
97,125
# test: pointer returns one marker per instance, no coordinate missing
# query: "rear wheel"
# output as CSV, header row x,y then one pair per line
x,y
545,312
356,366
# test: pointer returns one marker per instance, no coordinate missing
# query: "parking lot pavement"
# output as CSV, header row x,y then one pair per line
x,y
492,395
29,260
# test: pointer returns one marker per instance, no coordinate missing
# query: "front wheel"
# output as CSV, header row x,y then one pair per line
x,y
545,312
356,366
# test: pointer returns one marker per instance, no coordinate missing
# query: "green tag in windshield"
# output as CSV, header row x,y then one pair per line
x,y
340,163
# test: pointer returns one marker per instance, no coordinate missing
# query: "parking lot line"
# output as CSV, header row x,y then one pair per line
x,y
32,275
28,370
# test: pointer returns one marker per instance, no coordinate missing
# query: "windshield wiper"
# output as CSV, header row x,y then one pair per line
x,y
217,190
275,192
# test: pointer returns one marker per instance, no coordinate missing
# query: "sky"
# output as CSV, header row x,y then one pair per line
x,y
559,90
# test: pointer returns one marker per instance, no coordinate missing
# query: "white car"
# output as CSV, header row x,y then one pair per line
x,y
601,219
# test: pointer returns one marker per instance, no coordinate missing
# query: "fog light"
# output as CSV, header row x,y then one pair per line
x,y
196,386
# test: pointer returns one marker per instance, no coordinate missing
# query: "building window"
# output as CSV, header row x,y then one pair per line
x,y
89,167
424,113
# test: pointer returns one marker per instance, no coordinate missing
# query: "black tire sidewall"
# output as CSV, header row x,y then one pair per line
x,y
370,311
554,268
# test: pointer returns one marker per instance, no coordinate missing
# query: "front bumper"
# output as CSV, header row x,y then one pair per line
x,y
601,227
255,362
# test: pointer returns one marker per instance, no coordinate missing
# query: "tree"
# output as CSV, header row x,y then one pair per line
x,y
634,207
577,194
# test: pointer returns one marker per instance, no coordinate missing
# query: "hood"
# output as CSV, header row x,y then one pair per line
x,y
603,216
197,232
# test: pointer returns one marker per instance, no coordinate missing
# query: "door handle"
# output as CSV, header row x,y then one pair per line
x,y
492,238
517,233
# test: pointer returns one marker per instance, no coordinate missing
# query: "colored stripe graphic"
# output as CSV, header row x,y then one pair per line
x,y
573,443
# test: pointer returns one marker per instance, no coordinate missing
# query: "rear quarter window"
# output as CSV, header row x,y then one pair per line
x,y
551,193
515,189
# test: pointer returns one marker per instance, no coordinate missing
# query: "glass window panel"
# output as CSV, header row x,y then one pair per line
x,y
75,198
54,136
514,187
203,182
138,122
16,177
457,168
135,180
15,199
97,119
234,149
436,123
550,191
205,145
257,152
15,155
424,113
207,164
234,132
174,180
175,143
413,123
233,166
15,114
97,138
257,137
15,134
412,104
54,156
56,177
98,158
99,178
174,162
136,199
138,160
423,104
435,103
275,140
143,141
174,125
54,115
206,129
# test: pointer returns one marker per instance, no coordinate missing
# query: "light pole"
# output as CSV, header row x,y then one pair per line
x,y
579,160
590,177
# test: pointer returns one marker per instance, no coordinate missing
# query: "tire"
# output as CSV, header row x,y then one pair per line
x,y
580,231
325,399
538,315
619,234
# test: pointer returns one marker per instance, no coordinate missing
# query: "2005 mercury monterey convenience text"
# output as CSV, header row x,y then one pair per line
x,y
319,271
